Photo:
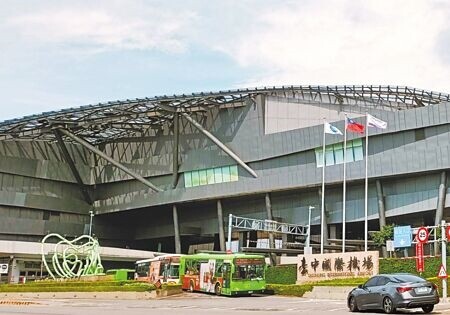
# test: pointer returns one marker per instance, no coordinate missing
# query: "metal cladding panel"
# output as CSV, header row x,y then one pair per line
x,y
57,204
43,169
63,228
11,225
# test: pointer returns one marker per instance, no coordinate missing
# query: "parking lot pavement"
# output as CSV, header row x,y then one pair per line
x,y
185,303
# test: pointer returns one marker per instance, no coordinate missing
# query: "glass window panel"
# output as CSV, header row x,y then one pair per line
x,y
218,175
349,154
338,146
234,173
358,151
357,142
226,173
195,178
339,154
202,175
329,156
187,179
319,158
210,176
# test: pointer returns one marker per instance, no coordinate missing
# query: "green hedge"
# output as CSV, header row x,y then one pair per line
x,y
75,283
347,282
78,286
393,265
289,289
285,274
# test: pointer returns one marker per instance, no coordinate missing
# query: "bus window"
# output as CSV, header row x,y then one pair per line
x,y
248,272
193,267
173,271
142,269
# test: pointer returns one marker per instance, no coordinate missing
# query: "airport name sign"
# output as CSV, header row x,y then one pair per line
x,y
315,267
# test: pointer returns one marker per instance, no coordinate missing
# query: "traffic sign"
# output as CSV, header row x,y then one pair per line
x,y
3,268
422,234
447,232
442,274
420,261
402,236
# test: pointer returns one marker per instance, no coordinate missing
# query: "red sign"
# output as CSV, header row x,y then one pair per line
x,y
442,274
420,262
422,234
447,232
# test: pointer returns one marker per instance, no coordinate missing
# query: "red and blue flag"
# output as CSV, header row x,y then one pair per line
x,y
354,126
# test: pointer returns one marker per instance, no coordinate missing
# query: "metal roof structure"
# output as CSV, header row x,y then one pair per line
x,y
105,122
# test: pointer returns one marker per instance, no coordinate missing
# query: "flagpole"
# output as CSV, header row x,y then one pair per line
x,y
366,188
344,186
322,215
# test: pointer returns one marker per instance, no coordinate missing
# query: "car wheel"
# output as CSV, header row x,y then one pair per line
x,y
191,286
353,307
427,308
217,289
388,305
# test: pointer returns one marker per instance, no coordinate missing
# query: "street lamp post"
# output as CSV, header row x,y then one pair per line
x,y
91,213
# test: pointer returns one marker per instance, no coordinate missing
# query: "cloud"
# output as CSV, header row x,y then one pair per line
x,y
346,42
106,28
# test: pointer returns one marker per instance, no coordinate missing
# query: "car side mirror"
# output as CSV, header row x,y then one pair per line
x,y
361,286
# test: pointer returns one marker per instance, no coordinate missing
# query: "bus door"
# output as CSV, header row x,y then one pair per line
x,y
163,271
226,271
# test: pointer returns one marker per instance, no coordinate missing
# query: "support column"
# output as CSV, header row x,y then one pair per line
x,y
221,229
273,259
219,144
440,205
90,147
243,240
72,166
175,150
176,230
381,211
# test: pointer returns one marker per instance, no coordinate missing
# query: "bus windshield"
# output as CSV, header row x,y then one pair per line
x,y
248,269
173,271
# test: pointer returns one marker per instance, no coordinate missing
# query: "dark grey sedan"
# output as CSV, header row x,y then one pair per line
x,y
391,291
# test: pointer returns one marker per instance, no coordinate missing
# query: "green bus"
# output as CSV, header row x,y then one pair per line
x,y
223,274
121,274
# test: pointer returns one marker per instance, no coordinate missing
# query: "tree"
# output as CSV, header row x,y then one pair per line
x,y
386,233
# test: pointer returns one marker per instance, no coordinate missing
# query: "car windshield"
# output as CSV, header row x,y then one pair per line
x,y
407,278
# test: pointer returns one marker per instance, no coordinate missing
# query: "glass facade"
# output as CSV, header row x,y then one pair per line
x,y
210,176
334,153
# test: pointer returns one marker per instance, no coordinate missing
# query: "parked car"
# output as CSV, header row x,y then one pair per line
x,y
391,291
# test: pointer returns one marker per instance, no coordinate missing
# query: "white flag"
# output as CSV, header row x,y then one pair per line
x,y
331,129
375,122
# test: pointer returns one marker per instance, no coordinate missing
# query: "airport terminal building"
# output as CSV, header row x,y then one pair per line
x,y
164,173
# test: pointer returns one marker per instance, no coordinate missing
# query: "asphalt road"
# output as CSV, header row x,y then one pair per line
x,y
194,304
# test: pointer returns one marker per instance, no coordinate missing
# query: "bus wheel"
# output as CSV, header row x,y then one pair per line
x,y
217,289
191,286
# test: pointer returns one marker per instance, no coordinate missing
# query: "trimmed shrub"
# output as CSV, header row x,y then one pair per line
x,y
394,265
289,289
347,282
78,286
284,274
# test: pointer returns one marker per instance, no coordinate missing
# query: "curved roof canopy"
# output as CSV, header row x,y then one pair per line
x,y
105,122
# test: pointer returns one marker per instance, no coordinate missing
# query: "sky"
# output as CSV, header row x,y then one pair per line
x,y
61,54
